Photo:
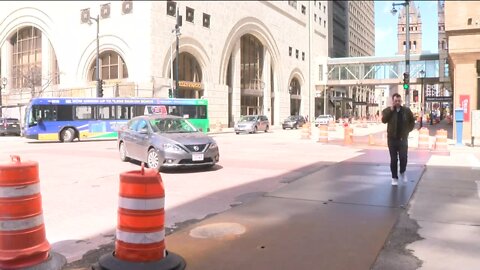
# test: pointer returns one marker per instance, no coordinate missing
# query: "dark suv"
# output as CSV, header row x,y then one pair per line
x,y
9,126
293,121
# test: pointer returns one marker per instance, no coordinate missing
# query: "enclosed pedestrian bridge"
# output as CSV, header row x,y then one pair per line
x,y
371,70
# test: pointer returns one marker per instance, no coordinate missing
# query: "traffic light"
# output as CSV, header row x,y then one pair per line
x,y
170,93
100,88
415,95
406,81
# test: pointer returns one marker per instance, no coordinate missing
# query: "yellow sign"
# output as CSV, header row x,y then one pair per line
x,y
195,85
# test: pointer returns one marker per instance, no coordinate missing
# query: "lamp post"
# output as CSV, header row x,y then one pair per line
x,y
422,74
97,71
406,4
4,84
177,34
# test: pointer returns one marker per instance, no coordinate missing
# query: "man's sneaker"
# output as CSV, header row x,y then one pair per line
x,y
404,178
394,182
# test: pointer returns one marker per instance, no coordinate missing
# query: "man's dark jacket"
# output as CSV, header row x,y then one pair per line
x,y
390,117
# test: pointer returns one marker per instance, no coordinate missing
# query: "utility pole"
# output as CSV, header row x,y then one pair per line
x,y
177,34
97,71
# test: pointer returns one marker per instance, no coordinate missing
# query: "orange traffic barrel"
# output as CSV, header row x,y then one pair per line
x,y
306,133
441,144
348,136
423,138
371,139
140,235
23,240
331,125
323,135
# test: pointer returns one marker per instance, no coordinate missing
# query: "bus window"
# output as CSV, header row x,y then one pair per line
x,y
139,110
83,112
124,112
44,113
65,113
106,112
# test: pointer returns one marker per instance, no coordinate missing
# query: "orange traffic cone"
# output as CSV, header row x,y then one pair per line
x,y
140,242
23,240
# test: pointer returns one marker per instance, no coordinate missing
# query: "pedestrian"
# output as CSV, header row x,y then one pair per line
x,y
400,122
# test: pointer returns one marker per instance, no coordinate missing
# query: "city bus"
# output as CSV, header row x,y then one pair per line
x,y
66,119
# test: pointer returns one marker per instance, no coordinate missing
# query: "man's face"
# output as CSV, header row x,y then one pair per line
x,y
397,102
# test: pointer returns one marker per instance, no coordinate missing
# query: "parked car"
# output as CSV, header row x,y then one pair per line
x,y
293,122
323,120
252,124
163,141
10,126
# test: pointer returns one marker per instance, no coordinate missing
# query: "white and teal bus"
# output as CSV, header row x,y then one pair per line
x,y
67,119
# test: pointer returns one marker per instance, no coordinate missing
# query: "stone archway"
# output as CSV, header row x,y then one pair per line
x,y
190,76
231,66
294,89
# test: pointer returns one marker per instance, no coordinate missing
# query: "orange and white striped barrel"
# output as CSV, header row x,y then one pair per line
x,y
323,134
23,241
423,138
306,133
331,125
441,140
141,217
348,136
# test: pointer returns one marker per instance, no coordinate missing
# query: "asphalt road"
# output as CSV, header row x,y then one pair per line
x,y
79,181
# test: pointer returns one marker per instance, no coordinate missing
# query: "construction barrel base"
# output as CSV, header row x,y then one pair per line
x,y
55,261
171,262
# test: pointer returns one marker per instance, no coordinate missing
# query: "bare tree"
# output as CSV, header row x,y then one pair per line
x,y
33,80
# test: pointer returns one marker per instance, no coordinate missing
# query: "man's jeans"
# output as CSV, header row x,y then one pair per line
x,y
398,147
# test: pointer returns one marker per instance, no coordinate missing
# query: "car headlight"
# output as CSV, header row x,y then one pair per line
x,y
213,146
168,147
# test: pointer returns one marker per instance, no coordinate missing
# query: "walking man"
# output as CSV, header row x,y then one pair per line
x,y
400,122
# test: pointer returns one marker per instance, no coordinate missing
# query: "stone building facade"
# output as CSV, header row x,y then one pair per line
x,y
462,28
259,57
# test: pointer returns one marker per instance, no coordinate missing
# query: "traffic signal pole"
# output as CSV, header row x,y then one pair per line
x,y
407,53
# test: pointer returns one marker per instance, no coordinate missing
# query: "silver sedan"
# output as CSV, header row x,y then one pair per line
x,y
166,141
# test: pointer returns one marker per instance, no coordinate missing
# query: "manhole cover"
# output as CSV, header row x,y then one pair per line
x,y
217,230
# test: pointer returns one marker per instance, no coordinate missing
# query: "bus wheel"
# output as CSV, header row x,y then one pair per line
x,y
67,135
123,152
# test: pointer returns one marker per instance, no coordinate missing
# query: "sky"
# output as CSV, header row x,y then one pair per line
x,y
386,26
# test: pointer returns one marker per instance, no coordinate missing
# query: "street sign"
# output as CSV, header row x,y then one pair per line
x,y
438,99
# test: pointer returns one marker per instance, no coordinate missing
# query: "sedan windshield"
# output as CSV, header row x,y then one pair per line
x,y
172,126
248,118
292,118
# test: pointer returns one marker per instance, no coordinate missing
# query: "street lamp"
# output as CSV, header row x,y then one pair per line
x,y
177,34
422,74
406,4
97,71
4,84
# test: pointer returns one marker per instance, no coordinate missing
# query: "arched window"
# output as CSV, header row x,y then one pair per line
x,y
112,67
27,57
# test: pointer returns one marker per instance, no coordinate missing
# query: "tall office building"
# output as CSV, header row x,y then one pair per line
x,y
361,28
338,28
415,30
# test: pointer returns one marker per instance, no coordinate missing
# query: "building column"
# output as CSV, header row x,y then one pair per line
x,y
267,62
236,80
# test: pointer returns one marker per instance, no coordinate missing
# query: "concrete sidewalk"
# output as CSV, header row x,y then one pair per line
x,y
348,216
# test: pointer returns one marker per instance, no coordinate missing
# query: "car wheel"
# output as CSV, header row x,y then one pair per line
x,y
237,133
154,160
283,127
123,152
295,126
254,129
266,129
67,135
